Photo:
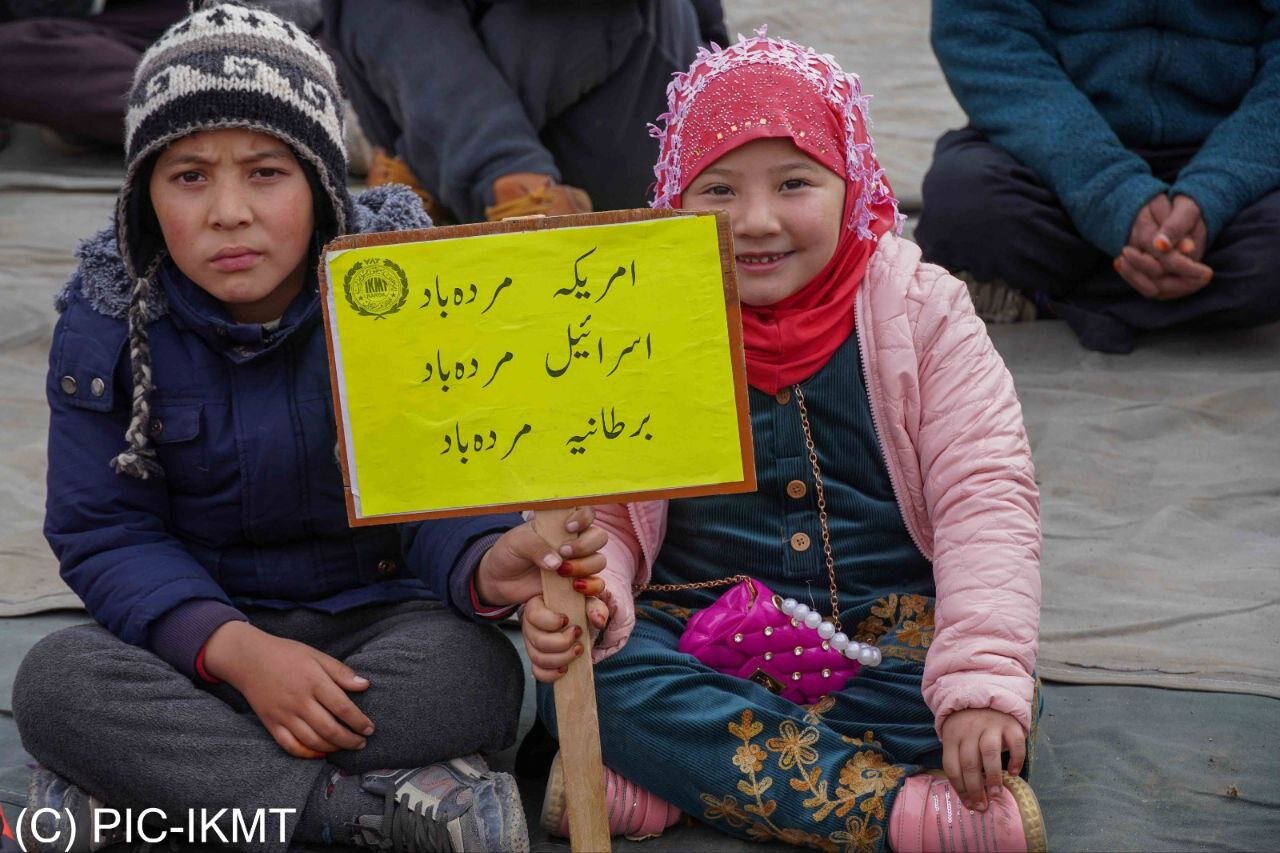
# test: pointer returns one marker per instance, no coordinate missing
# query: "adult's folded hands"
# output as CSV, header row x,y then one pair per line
x,y
1162,259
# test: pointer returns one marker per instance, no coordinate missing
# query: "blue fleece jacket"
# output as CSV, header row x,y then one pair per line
x,y
1070,88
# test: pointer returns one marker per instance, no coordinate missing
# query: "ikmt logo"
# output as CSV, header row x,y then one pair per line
x,y
376,287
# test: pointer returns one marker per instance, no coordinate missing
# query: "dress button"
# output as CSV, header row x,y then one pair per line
x,y
97,387
783,396
157,426
387,568
800,541
797,489
67,384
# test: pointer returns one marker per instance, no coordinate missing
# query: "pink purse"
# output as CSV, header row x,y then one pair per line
x,y
781,644
746,632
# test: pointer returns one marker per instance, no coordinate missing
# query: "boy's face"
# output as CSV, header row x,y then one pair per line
x,y
785,210
235,209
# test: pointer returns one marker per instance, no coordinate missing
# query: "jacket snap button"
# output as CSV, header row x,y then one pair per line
x,y
797,489
97,387
157,426
68,384
387,568
783,396
800,541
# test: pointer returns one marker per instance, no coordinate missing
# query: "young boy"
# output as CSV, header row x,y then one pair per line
x,y
255,653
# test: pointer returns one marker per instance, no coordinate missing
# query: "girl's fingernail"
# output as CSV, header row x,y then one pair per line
x,y
566,550
580,585
995,790
572,527
368,731
361,680
1116,263
1162,243
551,561
1187,245
577,632
564,621
361,746
577,651
562,670
565,570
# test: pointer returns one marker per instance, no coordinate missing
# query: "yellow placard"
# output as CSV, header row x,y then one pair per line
x,y
541,362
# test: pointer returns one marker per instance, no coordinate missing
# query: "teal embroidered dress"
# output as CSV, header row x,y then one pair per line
x,y
726,750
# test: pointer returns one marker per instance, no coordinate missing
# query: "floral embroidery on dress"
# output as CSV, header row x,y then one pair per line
x,y
859,796
901,625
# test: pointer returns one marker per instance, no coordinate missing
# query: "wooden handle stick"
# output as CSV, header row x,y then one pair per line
x,y
576,718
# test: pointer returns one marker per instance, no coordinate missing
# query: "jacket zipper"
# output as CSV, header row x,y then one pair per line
x,y
873,392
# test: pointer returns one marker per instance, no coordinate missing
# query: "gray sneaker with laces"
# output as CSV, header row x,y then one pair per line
x,y
457,805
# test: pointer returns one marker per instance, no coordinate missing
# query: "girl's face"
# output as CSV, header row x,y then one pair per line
x,y
785,209
234,206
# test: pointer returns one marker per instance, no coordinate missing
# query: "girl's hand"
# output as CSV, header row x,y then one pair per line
x,y
299,693
511,571
551,642
972,741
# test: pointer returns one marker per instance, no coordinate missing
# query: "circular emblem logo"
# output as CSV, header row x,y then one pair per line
x,y
376,287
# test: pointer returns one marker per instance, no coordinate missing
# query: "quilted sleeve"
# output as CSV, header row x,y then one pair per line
x,y
981,496
624,563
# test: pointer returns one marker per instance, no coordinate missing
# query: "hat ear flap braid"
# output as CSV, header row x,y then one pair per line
x,y
139,460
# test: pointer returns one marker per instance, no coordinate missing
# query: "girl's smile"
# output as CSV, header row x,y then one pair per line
x,y
785,209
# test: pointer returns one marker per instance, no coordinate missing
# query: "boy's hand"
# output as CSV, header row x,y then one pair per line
x,y
551,642
972,741
299,693
511,571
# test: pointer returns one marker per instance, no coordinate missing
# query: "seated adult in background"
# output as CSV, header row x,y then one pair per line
x,y
67,64
1121,167
514,107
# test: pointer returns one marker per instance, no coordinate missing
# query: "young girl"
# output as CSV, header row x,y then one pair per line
x,y
255,652
894,476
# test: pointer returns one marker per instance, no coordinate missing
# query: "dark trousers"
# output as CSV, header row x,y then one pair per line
x,y
72,74
468,91
124,725
987,214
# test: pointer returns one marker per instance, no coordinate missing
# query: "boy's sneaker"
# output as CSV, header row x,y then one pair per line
x,y
453,805
71,828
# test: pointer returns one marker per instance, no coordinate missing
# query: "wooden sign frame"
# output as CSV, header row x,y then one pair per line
x,y
733,312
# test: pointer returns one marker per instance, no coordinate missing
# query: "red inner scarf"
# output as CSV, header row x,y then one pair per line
x,y
790,340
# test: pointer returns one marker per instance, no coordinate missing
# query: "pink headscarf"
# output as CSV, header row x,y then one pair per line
x,y
762,88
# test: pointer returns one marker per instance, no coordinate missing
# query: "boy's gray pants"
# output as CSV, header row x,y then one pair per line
x,y
125,726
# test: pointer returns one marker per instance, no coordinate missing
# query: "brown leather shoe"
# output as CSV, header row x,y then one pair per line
x,y
386,168
530,194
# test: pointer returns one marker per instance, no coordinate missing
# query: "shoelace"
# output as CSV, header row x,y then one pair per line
x,y
409,829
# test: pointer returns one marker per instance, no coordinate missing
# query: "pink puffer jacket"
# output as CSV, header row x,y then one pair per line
x,y
949,421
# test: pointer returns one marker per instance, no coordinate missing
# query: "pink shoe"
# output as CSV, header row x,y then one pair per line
x,y
633,811
929,817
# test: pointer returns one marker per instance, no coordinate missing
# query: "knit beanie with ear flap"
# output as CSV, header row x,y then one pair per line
x,y
224,66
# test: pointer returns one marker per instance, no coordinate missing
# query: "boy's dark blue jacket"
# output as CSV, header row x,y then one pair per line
x,y
1070,88
250,511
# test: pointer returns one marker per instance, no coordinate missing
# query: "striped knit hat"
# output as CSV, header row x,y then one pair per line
x,y
223,66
